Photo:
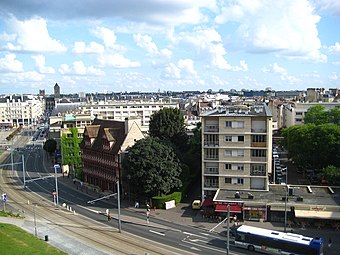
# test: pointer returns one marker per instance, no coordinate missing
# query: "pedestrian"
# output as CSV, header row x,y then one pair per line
x,y
329,242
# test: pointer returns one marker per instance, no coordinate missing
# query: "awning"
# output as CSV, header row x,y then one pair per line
x,y
317,214
224,208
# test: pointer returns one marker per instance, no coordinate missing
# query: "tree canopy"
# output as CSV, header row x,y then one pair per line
x,y
313,146
50,146
153,166
317,115
168,124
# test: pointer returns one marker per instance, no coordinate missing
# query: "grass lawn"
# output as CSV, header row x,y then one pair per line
x,y
14,241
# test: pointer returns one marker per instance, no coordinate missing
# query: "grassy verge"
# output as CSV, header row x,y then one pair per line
x,y
14,240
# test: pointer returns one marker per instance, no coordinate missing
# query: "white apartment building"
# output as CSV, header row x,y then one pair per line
x,y
293,113
20,110
236,148
120,110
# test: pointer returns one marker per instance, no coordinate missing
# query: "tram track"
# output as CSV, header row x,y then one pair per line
x,y
91,232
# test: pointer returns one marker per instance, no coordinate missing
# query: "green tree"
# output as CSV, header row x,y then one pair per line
x,y
153,167
71,151
50,146
168,124
313,146
316,115
331,174
334,116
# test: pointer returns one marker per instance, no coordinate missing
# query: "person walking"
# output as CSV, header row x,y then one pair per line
x,y
329,242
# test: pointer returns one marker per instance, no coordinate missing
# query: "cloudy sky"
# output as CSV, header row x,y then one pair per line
x,y
151,45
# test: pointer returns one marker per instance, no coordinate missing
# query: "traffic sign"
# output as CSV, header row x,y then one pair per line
x,y
4,197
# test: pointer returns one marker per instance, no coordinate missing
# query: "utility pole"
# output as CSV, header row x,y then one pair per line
x,y
286,197
228,223
56,183
119,222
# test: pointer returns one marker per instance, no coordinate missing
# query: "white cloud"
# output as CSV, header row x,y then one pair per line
x,y
184,69
10,64
147,11
334,76
32,35
336,63
117,61
78,68
276,69
209,45
332,6
287,27
159,57
93,47
334,49
107,35
41,65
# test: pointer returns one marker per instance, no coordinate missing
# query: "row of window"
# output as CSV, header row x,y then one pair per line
x,y
230,138
212,153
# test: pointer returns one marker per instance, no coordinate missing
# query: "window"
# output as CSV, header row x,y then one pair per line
x,y
240,181
258,138
228,153
240,153
240,167
227,166
227,180
228,124
258,153
228,138
258,170
238,124
240,138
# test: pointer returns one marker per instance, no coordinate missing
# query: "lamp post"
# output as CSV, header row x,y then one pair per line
x,y
228,222
119,222
286,197
56,183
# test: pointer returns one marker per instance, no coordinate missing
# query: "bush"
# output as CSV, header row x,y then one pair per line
x,y
159,202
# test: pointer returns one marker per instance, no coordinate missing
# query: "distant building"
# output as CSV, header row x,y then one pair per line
x,y
56,91
16,110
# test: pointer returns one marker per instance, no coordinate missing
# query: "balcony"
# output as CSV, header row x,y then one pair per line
x,y
211,185
259,130
258,159
211,157
211,129
259,144
211,144
211,170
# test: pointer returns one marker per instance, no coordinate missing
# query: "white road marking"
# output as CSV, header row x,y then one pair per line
x,y
155,232
191,234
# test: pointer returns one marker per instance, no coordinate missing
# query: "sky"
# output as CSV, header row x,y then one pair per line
x,y
161,45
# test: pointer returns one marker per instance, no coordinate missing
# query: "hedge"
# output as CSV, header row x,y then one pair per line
x,y
159,202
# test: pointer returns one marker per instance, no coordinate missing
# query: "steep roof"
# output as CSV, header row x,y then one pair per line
x,y
110,130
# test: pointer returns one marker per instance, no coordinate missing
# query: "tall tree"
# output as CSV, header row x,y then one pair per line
x,y
153,167
50,146
168,124
316,115
313,146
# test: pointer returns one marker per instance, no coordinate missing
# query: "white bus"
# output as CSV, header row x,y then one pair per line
x,y
276,242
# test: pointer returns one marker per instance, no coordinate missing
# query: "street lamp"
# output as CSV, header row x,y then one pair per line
x,y
56,182
286,191
118,199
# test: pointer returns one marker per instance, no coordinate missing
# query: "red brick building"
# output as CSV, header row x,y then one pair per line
x,y
102,147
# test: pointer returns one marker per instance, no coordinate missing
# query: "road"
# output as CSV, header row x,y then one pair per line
x,y
89,225
89,222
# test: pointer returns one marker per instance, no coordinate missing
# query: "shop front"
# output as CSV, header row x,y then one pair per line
x,y
255,213
235,208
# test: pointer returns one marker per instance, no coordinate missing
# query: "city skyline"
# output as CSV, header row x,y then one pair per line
x,y
151,45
